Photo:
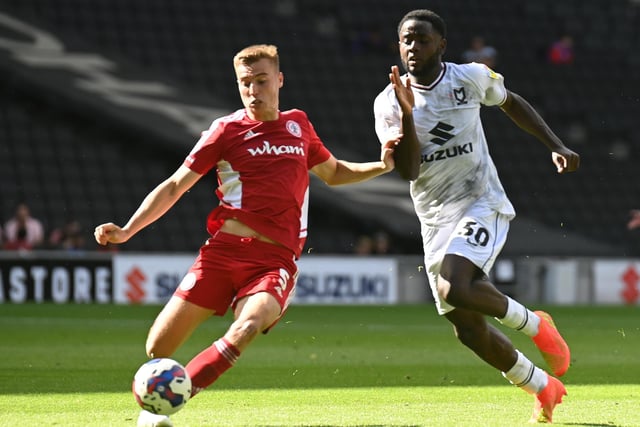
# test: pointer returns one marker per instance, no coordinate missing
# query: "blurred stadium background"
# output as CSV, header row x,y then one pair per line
x,y
102,99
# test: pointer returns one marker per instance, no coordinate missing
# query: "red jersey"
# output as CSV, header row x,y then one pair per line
x,y
263,172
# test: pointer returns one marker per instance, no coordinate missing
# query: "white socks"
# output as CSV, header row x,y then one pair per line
x,y
520,318
526,375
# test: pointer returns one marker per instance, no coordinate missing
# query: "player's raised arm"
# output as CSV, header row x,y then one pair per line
x,y
407,153
154,205
528,119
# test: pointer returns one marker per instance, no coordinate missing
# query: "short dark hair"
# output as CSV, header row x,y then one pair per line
x,y
428,16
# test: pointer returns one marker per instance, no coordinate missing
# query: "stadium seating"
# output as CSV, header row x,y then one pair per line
x,y
335,56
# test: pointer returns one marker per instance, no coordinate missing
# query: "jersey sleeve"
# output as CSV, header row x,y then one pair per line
x,y
207,151
489,83
318,153
386,112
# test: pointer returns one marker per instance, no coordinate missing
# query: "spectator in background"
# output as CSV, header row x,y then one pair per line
x,y
480,52
68,237
561,51
23,232
634,221
364,245
381,243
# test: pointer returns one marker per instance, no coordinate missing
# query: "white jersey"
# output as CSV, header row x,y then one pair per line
x,y
456,170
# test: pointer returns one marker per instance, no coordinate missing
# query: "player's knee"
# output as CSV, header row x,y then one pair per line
x,y
455,293
249,328
244,331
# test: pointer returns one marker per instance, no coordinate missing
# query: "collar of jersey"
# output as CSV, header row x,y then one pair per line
x,y
435,82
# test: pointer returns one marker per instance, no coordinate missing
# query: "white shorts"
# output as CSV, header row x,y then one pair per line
x,y
477,237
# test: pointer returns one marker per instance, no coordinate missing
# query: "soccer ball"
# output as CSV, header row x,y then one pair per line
x,y
161,386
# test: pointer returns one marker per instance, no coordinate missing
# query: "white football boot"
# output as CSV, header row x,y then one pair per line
x,y
148,419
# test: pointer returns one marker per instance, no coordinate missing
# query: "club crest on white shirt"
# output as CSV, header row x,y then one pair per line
x,y
460,95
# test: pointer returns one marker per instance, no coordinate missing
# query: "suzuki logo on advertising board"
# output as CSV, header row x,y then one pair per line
x,y
136,279
148,279
347,281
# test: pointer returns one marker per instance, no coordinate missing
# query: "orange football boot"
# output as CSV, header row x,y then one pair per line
x,y
552,346
547,400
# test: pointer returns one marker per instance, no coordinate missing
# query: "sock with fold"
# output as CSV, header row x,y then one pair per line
x,y
206,367
526,375
520,318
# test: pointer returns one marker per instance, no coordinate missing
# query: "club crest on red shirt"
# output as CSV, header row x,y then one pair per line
x,y
294,128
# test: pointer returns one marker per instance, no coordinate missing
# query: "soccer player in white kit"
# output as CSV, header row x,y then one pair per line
x,y
462,207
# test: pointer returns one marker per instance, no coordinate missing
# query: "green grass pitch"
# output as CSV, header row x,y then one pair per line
x,y
72,365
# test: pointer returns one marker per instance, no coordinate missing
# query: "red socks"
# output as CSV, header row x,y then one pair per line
x,y
206,367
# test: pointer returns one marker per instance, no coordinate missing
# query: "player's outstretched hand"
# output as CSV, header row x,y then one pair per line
x,y
565,160
386,154
403,90
110,233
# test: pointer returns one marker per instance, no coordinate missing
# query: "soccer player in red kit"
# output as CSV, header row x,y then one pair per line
x,y
262,157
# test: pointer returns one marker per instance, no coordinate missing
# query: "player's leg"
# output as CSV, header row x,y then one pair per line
x,y
173,325
269,273
540,327
493,347
463,285
479,294
205,290
254,313
473,330
472,248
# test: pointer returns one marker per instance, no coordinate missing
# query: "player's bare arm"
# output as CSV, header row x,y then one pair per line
x,y
407,153
156,204
339,172
528,119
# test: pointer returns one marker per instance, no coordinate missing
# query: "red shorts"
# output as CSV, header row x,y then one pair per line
x,y
231,267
